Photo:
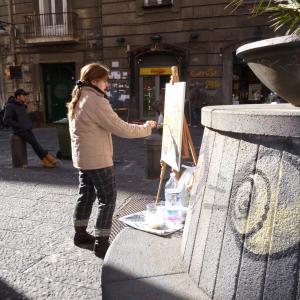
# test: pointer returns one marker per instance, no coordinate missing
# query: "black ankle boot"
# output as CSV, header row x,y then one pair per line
x,y
81,236
101,245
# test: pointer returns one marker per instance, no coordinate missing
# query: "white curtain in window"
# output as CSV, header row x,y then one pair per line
x,y
157,2
53,19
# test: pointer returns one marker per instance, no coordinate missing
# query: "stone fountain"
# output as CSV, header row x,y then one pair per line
x,y
242,239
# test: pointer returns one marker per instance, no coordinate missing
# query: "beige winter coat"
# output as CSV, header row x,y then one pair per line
x,y
91,127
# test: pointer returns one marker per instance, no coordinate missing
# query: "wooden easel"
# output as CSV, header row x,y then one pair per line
x,y
187,143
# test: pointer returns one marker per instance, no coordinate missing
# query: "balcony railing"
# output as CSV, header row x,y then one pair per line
x,y
52,27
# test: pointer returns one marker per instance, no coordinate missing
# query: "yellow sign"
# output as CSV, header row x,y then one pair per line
x,y
212,84
155,71
210,72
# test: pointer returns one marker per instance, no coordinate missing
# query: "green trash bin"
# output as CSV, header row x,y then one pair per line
x,y
64,140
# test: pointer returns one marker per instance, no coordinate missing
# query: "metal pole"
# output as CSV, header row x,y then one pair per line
x,y
100,27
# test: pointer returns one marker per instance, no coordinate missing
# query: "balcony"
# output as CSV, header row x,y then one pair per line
x,y
52,28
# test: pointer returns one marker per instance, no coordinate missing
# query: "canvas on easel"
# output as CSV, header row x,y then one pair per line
x,y
173,124
177,141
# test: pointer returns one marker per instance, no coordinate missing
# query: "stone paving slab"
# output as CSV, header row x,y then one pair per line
x,y
16,224
51,212
68,271
15,206
58,199
34,287
30,243
17,260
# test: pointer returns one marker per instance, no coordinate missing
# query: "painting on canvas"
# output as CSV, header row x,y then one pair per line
x,y
173,124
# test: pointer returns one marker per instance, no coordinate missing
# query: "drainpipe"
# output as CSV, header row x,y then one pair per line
x,y
99,4
12,31
2,81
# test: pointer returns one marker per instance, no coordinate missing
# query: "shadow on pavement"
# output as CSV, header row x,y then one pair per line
x,y
7,292
129,158
147,288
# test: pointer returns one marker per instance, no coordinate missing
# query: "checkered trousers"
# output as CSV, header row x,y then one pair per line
x,y
98,184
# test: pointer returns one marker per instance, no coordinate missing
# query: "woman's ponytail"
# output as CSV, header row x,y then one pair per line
x,y
93,71
75,97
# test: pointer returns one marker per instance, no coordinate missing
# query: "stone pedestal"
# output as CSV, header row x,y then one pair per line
x,y
242,236
18,151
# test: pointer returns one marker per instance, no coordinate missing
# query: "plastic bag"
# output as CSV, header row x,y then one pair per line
x,y
185,184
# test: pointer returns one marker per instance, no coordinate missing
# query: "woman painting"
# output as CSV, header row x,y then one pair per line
x,y
91,122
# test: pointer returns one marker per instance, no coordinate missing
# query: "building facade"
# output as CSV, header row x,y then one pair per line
x,y
44,43
138,39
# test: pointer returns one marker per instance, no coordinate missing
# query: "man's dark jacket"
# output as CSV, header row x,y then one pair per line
x,y
16,116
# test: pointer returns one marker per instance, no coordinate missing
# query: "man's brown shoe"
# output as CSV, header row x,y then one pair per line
x,y
46,163
51,159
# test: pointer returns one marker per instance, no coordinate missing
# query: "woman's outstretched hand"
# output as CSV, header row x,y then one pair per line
x,y
152,124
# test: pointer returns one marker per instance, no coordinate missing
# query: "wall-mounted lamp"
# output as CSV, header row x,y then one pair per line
x,y
2,26
194,36
156,39
120,40
221,52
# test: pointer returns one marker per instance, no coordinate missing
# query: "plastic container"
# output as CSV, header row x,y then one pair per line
x,y
173,202
155,215
173,208
171,183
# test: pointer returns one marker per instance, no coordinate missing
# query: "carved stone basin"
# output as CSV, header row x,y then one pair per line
x,y
276,62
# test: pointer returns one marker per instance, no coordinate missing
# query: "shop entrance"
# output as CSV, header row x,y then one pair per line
x,y
246,87
152,89
58,84
153,71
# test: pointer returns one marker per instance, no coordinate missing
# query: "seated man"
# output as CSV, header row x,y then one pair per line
x,y
16,116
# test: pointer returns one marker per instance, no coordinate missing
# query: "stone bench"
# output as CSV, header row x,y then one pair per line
x,y
18,150
140,265
242,234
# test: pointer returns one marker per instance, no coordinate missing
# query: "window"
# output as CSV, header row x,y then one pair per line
x,y
154,3
152,6
53,17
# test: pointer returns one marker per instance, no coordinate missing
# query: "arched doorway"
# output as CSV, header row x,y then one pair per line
x,y
152,70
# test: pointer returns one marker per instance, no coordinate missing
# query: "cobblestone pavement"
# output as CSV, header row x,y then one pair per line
x,y
37,257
